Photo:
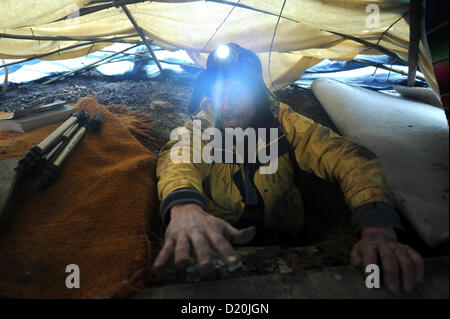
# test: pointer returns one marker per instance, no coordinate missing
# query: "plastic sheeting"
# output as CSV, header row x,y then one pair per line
x,y
359,74
35,69
343,71
300,40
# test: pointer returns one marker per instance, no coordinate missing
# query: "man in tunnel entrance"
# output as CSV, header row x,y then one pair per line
x,y
208,206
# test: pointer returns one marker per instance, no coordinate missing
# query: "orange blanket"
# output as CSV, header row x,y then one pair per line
x,y
95,215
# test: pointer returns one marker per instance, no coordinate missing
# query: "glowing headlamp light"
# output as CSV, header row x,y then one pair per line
x,y
226,60
222,51
224,54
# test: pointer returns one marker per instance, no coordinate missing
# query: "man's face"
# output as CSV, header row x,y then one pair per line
x,y
233,102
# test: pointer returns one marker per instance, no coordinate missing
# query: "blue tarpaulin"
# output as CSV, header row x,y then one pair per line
x,y
345,71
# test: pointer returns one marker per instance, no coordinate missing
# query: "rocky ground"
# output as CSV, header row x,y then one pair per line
x,y
330,239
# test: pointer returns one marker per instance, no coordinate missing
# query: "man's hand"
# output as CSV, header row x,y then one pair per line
x,y
397,260
190,226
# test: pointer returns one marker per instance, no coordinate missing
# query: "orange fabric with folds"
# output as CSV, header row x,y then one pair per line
x,y
96,215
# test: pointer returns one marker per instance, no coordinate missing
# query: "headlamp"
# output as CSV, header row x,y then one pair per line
x,y
222,51
223,55
226,60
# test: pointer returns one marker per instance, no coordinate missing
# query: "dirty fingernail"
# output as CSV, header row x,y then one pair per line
x,y
235,265
232,259
156,267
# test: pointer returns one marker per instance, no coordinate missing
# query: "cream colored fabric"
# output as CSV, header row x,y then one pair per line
x,y
188,25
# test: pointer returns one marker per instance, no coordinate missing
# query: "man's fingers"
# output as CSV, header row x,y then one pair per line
x,y
407,268
418,264
355,258
390,267
221,245
182,249
368,253
164,254
202,252
242,236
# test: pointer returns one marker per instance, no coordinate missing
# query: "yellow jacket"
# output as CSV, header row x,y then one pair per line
x,y
317,149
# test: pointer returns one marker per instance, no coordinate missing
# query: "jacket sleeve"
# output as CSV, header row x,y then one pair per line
x,y
355,168
180,182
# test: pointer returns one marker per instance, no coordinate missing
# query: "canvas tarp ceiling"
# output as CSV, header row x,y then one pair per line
x,y
190,25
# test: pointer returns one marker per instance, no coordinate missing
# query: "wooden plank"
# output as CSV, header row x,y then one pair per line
x,y
415,30
142,35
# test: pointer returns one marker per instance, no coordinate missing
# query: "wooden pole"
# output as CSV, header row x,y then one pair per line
x,y
89,65
369,44
5,81
234,4
57,51
381,66
415,30
45,38
143,57
117,3
142,35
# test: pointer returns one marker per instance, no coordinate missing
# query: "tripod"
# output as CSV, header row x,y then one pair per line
x,y
46,157
54,149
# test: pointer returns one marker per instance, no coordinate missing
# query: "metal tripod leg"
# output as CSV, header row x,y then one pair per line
x,y
37,152
53,166
53,153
